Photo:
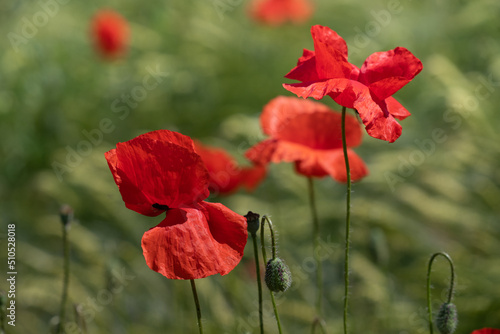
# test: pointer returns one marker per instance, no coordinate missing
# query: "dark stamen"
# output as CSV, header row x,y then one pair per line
x,y
160,206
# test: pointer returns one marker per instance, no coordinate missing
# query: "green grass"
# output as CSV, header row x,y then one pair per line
x,y
220,75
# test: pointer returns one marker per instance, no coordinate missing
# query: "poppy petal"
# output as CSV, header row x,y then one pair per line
x,y
305,69
278,112
196,242
387,72
250,177
396,109
150,171
353,94
331,53
308,123
334,164
486,331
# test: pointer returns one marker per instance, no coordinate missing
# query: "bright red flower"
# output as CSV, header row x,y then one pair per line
x,y
326,71
110,32
277,12
160,172
486,331
225,174
309,134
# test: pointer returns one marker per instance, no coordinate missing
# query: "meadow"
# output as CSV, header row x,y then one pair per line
x,y
206,69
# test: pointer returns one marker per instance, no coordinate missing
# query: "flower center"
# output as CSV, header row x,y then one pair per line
x,y
160,206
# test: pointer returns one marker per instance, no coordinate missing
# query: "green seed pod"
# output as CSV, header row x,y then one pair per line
x,y
278,276
447,320
252,222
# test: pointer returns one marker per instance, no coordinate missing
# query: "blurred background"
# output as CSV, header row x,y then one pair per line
x,y
437,188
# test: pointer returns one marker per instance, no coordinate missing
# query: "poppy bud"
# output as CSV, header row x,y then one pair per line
x,y
278,276
66,213
252,222
447,320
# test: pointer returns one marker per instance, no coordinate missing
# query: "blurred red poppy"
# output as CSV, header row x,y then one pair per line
x,y
160,172
225,174
110,32
309,134
277,12
486,331
326,71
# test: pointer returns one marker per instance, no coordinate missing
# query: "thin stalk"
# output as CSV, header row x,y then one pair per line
x,y
318,323
259,280
197,303
316,245
450,290
64,298
264,257
347,221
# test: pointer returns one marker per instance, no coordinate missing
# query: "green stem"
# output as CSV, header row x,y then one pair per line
x,y
347,221
318,322
197,303
316,245
264,257
259,280
451,288
62,311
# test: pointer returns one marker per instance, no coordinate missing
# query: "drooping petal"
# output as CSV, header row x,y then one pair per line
x,y
387,72
334,164
153,173
353,94
196,242
396,109
331,54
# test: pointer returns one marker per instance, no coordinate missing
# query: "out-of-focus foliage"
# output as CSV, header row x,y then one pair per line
x,y
436,189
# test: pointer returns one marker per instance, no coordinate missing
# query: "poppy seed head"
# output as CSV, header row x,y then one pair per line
x,y
252,222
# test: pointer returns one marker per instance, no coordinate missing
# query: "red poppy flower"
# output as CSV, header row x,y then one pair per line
x,y
486,331
277,12
160,172
225,175
309,134
110,32
369,90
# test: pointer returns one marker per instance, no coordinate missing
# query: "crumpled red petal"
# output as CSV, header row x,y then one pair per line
x,y
146,176
196,242
486,331
306,68
331,53
387,72
353,94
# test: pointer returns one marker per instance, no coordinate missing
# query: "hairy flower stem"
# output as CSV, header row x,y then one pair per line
x,y
347,221
264,257
197,303
451,288
64,298
259,280
316,245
